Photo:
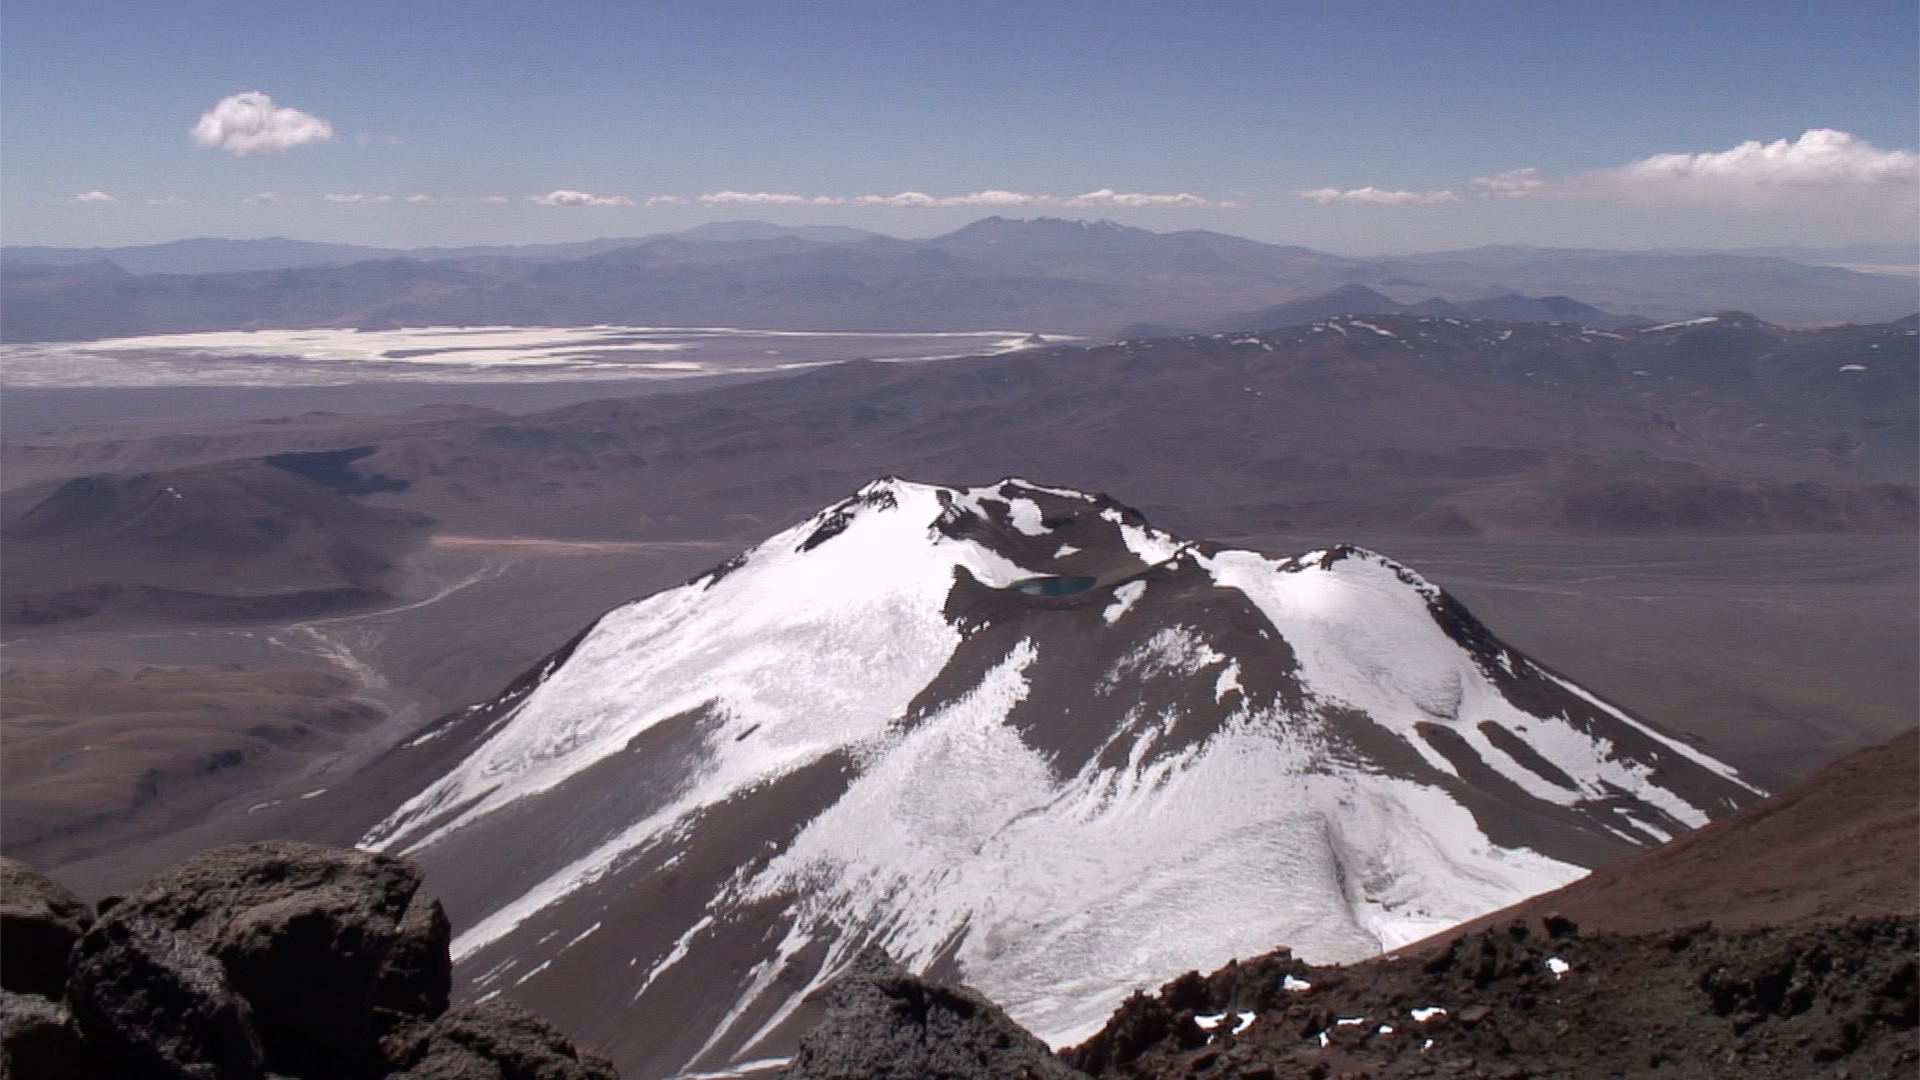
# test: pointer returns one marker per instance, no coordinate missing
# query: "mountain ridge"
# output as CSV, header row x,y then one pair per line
x,y
1047,274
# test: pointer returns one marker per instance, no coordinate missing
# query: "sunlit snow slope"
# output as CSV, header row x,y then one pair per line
x,y
1019,736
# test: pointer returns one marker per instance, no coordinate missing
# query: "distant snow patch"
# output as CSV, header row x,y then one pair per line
x,y
1123,598
1025,516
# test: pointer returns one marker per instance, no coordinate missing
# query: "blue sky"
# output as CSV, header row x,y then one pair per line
x,y
1352,127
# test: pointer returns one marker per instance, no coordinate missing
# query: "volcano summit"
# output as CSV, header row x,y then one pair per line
x,y
1015,736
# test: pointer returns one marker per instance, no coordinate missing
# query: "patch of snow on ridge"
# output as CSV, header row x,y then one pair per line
x,y
1123,598
1366,641
1176,651
1025,515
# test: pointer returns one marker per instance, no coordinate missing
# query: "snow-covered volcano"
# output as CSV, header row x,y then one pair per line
x,y
1014,735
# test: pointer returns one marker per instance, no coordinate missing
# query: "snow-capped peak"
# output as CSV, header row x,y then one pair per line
x,y
1017,731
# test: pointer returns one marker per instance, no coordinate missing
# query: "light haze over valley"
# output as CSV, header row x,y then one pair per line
x,y
673,541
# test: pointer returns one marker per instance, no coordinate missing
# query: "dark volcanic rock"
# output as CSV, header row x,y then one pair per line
x,y
884,1023
150,1003
498,1040
418,976
259,962
304,933
38,1039
1765,1004
39,922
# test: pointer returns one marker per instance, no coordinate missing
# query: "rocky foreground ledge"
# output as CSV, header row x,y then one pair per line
x,y
1514,1002
252,962
287,961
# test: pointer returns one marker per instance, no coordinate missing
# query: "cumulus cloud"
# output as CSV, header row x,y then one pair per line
x,y
767,198
978,198
1821,156
1514,183
1110,197
251,125
94,197
1373,196
564,197
264,197
493,200
356,197
1823,170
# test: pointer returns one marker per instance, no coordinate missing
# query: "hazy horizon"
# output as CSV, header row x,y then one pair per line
x,y
1904,250
1384,130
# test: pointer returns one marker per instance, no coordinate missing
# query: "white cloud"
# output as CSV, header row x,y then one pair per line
x,y
767,198
264,197
991,197
1513,183
356,197
422,200
166,200
1373,196
1821,156
564,197
666,200
493,200
905,198
1824,172
250,125
94,197
1110,197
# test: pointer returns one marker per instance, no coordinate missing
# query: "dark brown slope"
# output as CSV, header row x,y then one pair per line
x,y
251,540
1508,1003
1844,842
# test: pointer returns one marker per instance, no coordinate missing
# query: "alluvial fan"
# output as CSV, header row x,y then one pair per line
x,y
1018,737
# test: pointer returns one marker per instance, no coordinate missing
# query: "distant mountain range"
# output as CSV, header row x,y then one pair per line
x,y
1092,278
1361,300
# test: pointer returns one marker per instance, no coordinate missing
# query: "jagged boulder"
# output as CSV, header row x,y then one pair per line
x,y
885,1023
39,1040
151,1004
257,962
418,977
498,1040
39,922
304,933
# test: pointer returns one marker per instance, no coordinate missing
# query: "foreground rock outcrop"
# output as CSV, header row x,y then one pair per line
x,y
1779,1003
884,1023
260,960
1505,1003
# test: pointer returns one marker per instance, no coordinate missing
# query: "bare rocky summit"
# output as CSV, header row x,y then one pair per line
x,y
273,959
